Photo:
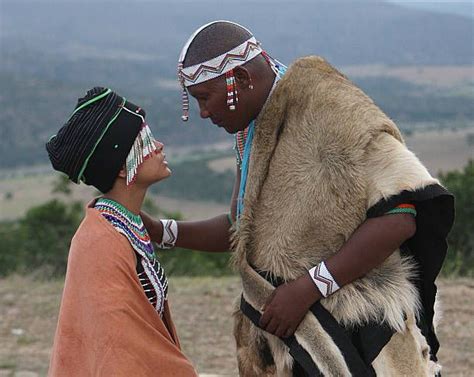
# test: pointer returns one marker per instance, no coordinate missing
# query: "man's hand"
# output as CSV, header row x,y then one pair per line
x,y
287,306
153,227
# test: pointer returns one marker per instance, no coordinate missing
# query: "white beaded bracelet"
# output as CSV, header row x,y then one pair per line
x,y
170,234
323,279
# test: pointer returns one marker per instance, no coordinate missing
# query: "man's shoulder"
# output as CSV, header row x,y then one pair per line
x,y
316,65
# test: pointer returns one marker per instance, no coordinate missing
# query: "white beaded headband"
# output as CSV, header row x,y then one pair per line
x,y
214,67
221,64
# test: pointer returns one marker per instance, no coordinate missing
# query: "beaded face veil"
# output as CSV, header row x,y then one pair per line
x,y
142,148
220,65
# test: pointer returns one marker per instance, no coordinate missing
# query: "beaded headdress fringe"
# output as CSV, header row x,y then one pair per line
x,y
142,148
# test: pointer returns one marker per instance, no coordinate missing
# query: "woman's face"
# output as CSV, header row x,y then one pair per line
x,y
154,168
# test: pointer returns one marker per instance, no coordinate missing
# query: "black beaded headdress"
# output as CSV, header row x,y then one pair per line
x,y
100,137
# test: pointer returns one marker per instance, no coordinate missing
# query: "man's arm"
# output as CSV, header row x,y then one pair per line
x,y
374,241
204,235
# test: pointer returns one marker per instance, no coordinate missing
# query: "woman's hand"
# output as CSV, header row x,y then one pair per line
x,y
287,306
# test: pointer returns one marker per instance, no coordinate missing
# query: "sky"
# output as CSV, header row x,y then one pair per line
x,y
464,8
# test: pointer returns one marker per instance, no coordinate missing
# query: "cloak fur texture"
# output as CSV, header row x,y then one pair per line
x,y
323,154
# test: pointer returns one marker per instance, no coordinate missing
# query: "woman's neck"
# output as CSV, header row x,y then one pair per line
x,y
130,197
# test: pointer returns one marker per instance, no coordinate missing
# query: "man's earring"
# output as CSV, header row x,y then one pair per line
x,y
232,96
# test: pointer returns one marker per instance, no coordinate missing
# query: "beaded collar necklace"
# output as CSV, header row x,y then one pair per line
x,y
127,223
150,272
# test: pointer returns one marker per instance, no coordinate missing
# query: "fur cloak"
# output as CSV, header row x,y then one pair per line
x,y
325,158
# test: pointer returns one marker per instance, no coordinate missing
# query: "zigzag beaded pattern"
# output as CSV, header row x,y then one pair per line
x,y
150,272
171,238
220,68
326,282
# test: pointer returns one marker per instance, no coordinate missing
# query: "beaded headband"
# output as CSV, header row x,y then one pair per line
x,y
214,67
221,64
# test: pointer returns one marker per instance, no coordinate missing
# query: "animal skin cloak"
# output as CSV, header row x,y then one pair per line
x,y
107,326
324,159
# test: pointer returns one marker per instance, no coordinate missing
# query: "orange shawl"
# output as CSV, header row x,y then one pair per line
x,y
106,325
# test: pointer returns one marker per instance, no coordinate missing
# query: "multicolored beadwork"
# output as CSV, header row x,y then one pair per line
x,y
232,97
215,67
142,148
239,145
150,272
244,157
219,65
403,208
184,95
241,136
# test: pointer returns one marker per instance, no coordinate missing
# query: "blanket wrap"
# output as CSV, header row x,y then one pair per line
x,y
106,325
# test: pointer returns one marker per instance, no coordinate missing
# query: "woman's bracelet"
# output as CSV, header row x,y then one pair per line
x,y
323,279
170,234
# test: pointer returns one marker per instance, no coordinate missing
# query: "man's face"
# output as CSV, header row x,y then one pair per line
x,y
212,100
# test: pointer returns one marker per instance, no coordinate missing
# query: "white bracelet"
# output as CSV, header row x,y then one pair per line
x,y
170,234
323,279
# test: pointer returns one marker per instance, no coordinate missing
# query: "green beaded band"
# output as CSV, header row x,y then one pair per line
x,y
229,217
120,208
402,210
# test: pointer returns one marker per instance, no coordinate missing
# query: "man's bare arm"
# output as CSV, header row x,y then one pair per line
x,y
204,235
373,242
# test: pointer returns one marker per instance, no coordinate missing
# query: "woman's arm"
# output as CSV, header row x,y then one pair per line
x,y
205,235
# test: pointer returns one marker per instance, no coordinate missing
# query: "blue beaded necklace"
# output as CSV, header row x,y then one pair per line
x,y
280,70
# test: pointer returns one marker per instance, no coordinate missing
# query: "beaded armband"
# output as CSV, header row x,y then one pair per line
x,y
170,234
323,279
403,208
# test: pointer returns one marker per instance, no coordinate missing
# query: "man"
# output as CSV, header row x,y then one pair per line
x,y
339,230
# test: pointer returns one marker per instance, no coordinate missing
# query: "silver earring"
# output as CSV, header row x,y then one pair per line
x,y
251,86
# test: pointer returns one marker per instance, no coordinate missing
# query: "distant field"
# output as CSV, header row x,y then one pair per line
x,y
33,190
441,76
442,150
438,150
222,164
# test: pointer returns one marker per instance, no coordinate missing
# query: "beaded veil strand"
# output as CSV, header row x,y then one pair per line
x,y
142,148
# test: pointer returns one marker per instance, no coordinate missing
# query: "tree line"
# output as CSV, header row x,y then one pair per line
x,y
38,243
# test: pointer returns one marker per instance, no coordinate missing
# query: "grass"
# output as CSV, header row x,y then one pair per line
x,y
202,311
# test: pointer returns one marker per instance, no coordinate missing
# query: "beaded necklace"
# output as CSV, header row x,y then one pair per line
x,y
245,138
150,272
239,145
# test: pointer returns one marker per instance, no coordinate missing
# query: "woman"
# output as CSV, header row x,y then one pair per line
x,y
114,318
